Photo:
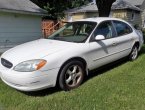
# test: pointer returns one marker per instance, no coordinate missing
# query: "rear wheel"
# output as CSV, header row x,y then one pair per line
x,y
134,53
71,75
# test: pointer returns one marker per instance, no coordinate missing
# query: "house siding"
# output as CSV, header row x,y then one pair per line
x,y
77,16
116,13
136,20
18,28
91,14
143,13
122,14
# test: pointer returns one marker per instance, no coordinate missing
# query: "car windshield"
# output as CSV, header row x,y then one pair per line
x,y
74,32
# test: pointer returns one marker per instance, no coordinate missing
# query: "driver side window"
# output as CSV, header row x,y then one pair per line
x,y
105,29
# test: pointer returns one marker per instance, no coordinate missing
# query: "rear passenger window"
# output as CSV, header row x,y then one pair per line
x,y
122,28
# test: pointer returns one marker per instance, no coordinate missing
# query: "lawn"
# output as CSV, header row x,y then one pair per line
x,y
117,87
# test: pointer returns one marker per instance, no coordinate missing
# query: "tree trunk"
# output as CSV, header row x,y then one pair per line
x,y
104,7
104,11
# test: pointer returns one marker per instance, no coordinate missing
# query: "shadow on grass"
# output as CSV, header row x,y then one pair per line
x,y
91,75
142,50
44,92
106,68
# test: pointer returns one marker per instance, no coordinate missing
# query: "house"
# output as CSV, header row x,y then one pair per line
x,y
137,3
20,21
128,10
141,5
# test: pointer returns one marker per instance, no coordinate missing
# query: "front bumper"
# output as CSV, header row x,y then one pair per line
x,y
29,81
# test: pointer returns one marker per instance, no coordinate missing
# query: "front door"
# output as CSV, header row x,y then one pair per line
x,y
101,52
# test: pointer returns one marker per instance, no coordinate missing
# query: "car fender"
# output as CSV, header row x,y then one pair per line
x,y
56,60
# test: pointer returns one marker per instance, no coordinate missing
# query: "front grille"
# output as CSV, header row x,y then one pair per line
x,y
6,63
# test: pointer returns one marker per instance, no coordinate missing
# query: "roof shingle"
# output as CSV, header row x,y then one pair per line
x,y
123,4
91,7
25,6
136,2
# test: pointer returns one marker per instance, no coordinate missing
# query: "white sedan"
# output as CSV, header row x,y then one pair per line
x,y
65,57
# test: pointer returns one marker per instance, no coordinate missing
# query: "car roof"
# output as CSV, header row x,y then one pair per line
x,y
100,19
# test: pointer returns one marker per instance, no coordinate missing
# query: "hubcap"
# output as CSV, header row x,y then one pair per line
x,y
73,75
134,53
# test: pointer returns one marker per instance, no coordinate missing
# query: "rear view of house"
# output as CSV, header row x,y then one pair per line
x,y
132,11
20,21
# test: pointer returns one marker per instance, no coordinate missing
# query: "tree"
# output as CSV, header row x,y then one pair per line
x,y
104,7
56,8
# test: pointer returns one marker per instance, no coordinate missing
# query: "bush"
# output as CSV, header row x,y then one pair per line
x,y
143,31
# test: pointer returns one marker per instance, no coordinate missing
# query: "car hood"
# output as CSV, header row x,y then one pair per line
x,y
35,50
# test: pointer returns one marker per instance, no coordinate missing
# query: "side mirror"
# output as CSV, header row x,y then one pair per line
x,y
99,37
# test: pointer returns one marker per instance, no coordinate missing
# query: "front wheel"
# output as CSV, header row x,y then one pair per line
x,y
71,75
134,53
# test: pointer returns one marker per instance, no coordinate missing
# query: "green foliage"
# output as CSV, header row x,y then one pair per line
x,y
77,3
56,8
143,31
118,87
40,3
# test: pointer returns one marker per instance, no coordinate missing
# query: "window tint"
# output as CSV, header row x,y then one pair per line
x,y
105,29
122,28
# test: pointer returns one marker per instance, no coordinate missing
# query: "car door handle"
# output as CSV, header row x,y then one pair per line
x,y
114,44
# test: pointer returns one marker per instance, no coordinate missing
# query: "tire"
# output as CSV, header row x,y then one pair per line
x,y
134,53
71,75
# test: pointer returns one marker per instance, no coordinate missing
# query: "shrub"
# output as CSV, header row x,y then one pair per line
x,y
143,31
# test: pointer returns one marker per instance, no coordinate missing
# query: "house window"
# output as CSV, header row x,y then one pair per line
x,y
132,16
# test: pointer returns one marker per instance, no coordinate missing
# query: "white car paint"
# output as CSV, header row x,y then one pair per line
x,y
56,53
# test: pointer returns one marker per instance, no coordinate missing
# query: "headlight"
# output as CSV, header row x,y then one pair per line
x,y
29,66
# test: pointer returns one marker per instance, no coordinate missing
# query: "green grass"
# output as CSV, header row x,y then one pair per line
x,y
118,87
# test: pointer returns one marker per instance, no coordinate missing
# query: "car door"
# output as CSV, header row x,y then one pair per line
x,y
124,39
102,51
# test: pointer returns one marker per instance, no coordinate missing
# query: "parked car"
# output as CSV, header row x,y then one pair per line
x,y
68,54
